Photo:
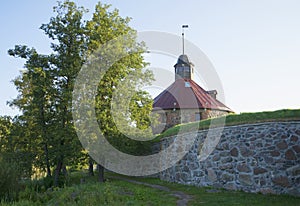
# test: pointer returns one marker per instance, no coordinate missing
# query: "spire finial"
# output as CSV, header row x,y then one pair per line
x,y
183,27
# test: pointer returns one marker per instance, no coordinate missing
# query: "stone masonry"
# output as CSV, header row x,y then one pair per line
x,y
261,157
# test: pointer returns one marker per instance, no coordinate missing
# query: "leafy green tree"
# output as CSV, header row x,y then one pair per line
x,y
35,100
46,86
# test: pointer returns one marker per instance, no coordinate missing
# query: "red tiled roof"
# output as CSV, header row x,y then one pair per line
x,y
178,96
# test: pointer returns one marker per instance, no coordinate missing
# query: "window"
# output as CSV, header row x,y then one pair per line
x,y
197,116
187,84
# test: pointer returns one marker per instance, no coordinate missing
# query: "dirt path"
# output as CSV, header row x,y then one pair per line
x,y
183,197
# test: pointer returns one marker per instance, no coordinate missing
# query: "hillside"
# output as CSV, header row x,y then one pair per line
x,y
235,119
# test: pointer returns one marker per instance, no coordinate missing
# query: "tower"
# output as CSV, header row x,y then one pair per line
x,y
184,68
184,100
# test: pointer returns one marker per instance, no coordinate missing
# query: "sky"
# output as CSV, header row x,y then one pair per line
x,y
254,45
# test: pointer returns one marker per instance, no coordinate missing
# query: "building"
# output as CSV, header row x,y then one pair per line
x,y
185,101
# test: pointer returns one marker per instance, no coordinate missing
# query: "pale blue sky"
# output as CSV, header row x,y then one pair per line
x,y
254,45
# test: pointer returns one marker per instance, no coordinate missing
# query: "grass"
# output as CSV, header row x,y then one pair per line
x,y
119,192
113,192
224,197
235,119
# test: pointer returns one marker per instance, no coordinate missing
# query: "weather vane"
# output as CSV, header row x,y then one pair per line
x,y
183,27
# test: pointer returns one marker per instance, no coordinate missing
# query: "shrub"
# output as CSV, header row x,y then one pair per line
x,y
9,180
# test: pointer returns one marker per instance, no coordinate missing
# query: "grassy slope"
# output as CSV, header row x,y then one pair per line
x,y
117,192
227,198
236,119
112,192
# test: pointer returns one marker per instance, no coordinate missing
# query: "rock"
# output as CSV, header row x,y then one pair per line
x,y
216,157
259,170
296,148
295,170
246,152
225,166
294,138
230,186
290,155
211,175
234,152
274,153
186,169
283,181
226,159
268,160
282,145
245,179
267,191
243,167
224,154
198,173
227,177
262,182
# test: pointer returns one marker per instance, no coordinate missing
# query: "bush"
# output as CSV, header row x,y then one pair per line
x,y
9,180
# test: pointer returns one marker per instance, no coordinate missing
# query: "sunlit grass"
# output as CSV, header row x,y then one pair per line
x,y
235,119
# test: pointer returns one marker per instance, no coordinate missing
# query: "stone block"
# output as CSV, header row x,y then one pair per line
x,y
267,191
226,159
295,170
216,157
234,152
242,167
290,155
282,181
245,179
294,138
227,177
259,170
296,148
246,152
211,175
230,186
226,166
275,153
282,145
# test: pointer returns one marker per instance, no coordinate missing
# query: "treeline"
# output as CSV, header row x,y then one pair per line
x,y
43,137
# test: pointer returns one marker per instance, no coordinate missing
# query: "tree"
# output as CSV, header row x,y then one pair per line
x,y
45,88
35,100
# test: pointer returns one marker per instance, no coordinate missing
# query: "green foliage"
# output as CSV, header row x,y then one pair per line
x,y
14,146
118,193
45,86
9,180
236,119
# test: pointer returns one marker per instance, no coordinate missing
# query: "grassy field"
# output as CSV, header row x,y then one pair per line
x,y
236,119
119,192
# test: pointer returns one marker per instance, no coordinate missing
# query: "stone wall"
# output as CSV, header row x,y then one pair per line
x,y
254,158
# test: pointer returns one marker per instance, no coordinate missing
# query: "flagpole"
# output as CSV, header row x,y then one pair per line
x,y
183,27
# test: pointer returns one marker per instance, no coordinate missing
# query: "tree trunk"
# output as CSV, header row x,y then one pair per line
x,y
47,160
57,173
64,170
91,167
100,169
45,139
